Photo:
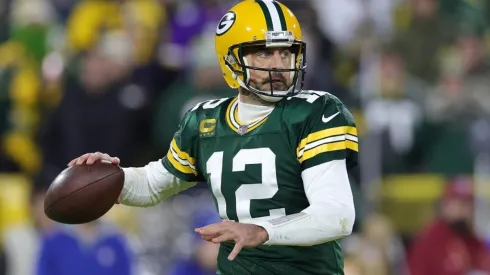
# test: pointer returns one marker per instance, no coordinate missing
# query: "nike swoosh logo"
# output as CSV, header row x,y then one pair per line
x,y
327,119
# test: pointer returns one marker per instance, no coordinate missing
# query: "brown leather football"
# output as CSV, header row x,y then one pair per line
x,y
84,193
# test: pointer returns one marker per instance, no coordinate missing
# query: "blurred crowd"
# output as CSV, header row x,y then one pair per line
x,y
116,76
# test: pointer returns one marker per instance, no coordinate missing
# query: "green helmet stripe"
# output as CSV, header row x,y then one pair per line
x,y
281,16
267,15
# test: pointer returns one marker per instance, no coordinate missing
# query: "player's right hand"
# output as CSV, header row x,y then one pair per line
x,y
90,158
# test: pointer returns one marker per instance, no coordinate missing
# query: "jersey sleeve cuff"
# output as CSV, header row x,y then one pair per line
x,y
268,227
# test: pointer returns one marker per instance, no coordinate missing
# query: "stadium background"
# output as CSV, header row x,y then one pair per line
x,y
116,76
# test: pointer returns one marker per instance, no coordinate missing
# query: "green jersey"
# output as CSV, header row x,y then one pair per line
x,y
254,171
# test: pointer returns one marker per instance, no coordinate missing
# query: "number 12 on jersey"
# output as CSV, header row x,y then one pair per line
x,y
266,189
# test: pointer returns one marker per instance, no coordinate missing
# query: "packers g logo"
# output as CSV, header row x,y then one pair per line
x,y
226,23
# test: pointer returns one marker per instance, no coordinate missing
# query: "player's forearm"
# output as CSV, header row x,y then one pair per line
x,y
331,213
150,185
315,225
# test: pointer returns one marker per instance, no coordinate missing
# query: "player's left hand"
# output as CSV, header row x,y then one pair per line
x,y
243,234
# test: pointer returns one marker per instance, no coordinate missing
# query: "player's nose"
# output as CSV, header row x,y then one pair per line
x,y
277,61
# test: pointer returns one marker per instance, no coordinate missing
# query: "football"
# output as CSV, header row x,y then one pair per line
x,y
83,193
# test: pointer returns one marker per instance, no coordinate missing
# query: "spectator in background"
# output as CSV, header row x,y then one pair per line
x,y
204,259
458,100
21,91
352,266
22,241
470,47
95,248
31,23
63,8
376,249
449,246
102,110
421,35
144,21
188,20
462,91
3,264
392,111
320,71
87,19
141,20
203,81
5,9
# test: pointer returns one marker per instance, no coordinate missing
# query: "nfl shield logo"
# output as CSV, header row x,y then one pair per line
x,y
242,129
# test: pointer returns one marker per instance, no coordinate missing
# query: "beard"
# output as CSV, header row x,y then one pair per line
x,y
461,227
278,86
277,83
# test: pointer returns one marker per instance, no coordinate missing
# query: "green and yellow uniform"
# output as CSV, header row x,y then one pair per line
x,y
254,171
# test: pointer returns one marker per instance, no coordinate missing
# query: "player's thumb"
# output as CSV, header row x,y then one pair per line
x,y
116,160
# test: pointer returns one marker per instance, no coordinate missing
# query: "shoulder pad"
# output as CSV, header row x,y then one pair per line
x,y
311,98
202,110
208,105
310,102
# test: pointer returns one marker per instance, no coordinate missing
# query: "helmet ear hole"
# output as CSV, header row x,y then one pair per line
x,y
234,66
231,59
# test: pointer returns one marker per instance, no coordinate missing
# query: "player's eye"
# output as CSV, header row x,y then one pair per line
x,y
264,53
285,53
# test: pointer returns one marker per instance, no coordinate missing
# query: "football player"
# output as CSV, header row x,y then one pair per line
x,y
275,157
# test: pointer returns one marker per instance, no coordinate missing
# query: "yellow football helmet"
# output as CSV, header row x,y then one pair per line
x,y
259,22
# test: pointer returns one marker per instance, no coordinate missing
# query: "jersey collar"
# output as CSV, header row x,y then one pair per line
x,y
234,122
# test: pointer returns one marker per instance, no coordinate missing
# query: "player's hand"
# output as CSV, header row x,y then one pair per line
x,y
90,158
243,234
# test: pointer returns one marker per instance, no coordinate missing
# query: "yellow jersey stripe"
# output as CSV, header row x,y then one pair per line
x,y
329,147
325,134
354,146
258,124
179,167
228,115
252,125
352,131
334,146
182,155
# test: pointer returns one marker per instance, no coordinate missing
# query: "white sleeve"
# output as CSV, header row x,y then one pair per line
x,y
150,185
331,213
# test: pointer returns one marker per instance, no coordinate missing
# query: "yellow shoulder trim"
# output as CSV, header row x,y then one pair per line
x,y
342,130
329,147
181,154
229,114
181,168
